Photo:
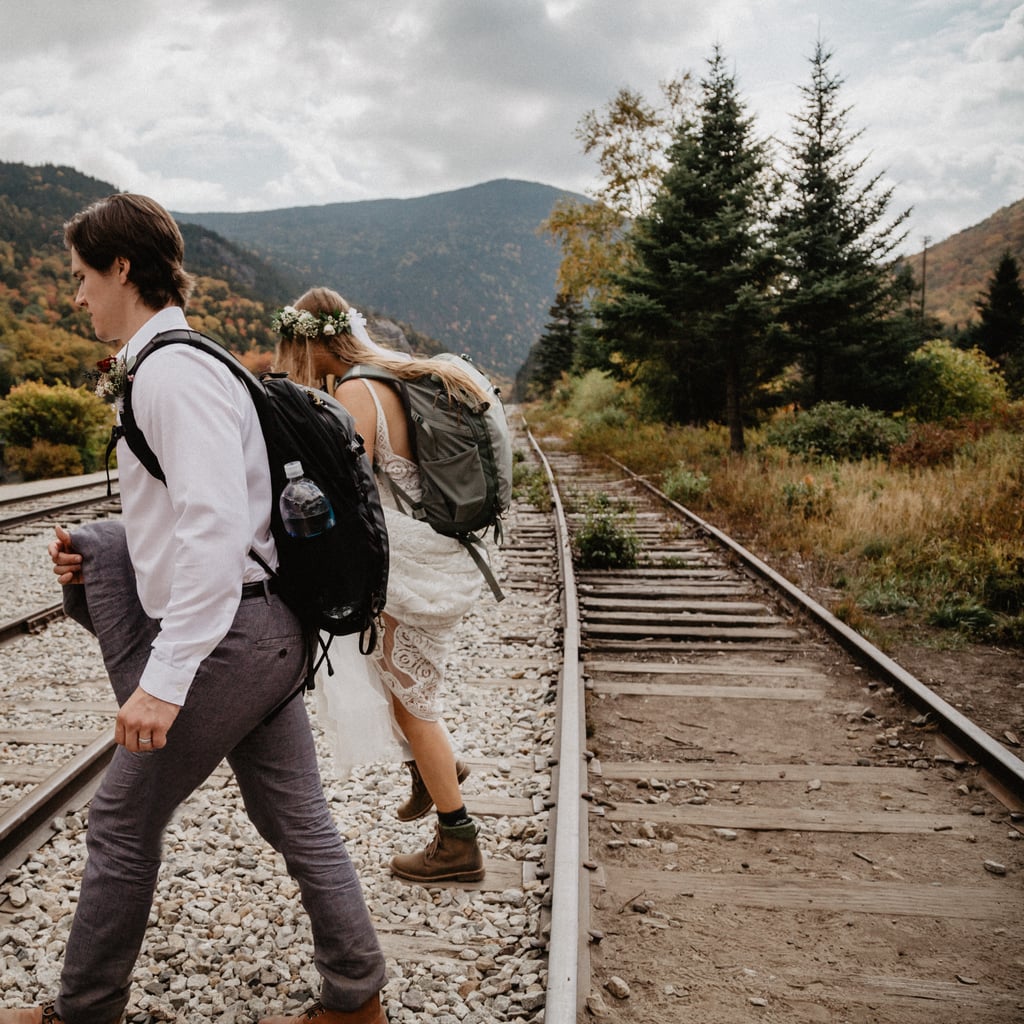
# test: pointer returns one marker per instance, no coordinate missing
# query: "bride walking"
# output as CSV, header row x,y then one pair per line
x,y
432,581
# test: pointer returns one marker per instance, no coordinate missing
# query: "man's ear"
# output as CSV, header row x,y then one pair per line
x,y
123,266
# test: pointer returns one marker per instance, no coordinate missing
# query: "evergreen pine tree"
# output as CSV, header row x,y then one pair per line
x,y
691,320
1000,334
557,345
841,294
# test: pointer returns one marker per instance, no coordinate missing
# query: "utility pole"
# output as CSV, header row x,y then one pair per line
x,y
924,270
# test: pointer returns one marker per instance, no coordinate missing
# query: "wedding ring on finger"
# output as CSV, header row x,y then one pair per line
x,y
145,739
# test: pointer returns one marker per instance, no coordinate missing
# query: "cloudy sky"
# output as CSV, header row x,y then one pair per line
x,y
228,105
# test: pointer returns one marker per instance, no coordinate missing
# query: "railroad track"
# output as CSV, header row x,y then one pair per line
x,y
20,516
708,802
503,685
783,824
31,622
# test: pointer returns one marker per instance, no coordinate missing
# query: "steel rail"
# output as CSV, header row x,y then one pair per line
x,y
16,493
19,518
568,954
30,623
29,821
974,741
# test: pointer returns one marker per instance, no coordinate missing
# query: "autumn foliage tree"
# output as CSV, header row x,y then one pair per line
x,y
629,138
35,351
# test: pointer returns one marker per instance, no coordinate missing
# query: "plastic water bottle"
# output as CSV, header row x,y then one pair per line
x,y
305,510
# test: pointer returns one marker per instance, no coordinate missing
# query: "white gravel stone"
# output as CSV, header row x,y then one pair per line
x,y
228,937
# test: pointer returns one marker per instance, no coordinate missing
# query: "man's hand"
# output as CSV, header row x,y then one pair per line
x,y
67,563
143,722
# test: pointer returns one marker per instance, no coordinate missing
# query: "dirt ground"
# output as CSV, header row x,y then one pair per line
x,y
984,683
693,951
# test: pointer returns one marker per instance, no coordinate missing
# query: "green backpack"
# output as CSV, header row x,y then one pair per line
x,y
464,452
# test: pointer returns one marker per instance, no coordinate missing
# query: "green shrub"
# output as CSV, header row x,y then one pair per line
x,y
885,598
605,539
835,430
530,483
968,616
875,549
1010,631
60,416
1003,587
610,416
44,460
684,485
807,498
592,394
951,383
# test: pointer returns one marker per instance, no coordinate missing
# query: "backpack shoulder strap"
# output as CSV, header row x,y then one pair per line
x,y
367,372
373,372
129,429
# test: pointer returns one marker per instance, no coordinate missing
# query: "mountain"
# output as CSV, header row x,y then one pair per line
x,y
35,202
463,270
467,267
957,271
234,292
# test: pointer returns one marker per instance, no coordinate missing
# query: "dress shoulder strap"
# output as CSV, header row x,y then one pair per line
x,y
381,437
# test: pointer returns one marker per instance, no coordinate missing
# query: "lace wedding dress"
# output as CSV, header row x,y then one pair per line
x,y
432,584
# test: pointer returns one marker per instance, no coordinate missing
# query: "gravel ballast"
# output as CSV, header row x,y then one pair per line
x,y
228,937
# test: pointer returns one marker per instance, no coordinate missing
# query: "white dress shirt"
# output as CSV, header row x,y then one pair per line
x,y
189,540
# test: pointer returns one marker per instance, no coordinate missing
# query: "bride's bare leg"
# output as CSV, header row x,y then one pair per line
x,y
433,756
428,740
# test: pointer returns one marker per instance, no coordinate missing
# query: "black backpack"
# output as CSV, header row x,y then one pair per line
x,y
463,449
336,583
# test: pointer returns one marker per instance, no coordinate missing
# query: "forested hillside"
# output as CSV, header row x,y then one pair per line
x,y
466,267
957,270
42,335
464,270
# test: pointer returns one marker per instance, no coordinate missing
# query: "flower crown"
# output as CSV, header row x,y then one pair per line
x,y
290,322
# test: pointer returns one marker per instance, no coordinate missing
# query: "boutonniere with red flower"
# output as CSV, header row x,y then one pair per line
x,y
109,378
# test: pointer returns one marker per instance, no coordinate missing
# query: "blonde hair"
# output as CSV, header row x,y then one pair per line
x,y
295,355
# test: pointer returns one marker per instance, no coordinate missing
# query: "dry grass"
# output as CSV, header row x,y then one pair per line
x,y
941,543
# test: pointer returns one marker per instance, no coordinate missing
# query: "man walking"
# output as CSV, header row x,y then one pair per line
x,y
202,656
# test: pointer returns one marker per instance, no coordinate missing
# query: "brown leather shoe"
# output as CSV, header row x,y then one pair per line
x,y
45,1014
370,1012
35,1015
453,855
420,801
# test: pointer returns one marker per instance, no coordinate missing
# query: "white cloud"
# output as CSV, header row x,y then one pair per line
x,y
254,104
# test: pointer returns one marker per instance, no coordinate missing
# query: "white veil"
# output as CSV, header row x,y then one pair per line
x,y
357,325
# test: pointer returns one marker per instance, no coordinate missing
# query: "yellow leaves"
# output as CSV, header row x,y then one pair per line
x,y
591,236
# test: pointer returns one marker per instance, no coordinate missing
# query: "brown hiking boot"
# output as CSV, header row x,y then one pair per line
x,y
453,855
369,1013
420,801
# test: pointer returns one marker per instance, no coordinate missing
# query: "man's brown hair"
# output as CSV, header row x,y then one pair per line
x,y
141,231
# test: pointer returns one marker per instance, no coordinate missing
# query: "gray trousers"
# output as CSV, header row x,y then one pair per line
x,y
227,715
